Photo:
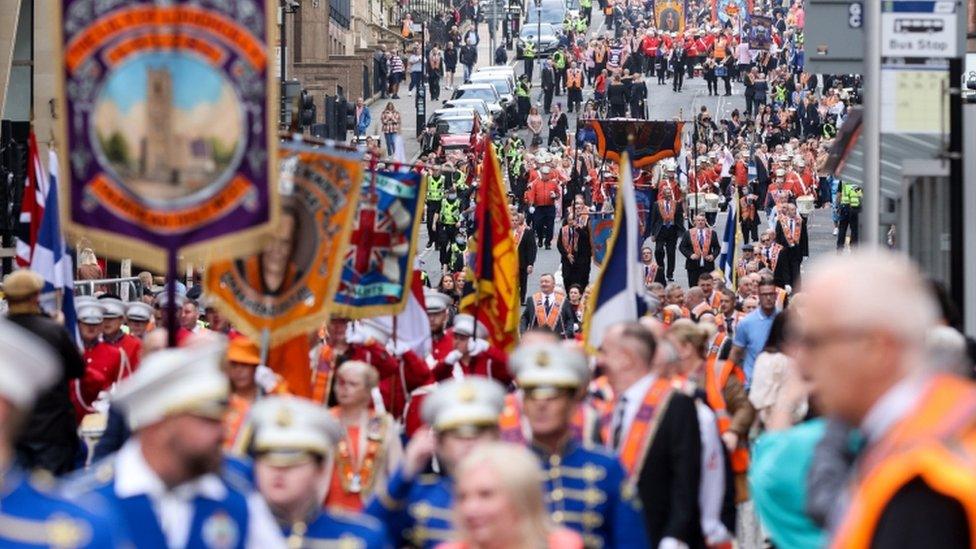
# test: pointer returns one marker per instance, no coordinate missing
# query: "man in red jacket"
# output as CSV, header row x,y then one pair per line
x,y
103,362
472,354
112,319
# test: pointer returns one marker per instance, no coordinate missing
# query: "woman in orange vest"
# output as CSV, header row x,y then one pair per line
x,y
370,448
724,393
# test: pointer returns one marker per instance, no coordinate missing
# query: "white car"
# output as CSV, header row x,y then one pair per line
x,y
505,86
487,93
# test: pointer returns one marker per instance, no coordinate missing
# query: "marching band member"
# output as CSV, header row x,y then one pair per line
x,y
416,505
172,470
104,364
584,486
293,442
472,354
113,316
138,316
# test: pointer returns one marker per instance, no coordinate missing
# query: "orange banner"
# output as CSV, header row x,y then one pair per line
x,y
158,41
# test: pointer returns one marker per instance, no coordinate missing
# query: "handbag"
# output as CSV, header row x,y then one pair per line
x,y
721,71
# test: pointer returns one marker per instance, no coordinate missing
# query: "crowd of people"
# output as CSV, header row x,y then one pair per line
x,y
785,405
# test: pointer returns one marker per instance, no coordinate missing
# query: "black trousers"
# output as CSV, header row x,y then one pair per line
x,y
575,97
433,207
618,109
664,247
750,231
678,81
434,82
545,218
546,99
447,235
524,104
528,67
849,217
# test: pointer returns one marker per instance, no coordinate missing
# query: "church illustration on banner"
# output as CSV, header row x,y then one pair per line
x,y
169,126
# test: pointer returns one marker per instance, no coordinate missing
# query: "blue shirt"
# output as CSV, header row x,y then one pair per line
x,y
341,528
751,334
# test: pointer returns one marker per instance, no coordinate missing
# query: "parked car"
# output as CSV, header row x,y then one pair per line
x,y
505,86
477,105
551,11
487,93
546,42
454,131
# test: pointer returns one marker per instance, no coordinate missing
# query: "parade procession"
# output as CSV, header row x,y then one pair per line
x,y
636,277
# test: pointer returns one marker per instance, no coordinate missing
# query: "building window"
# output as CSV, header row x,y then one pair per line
x,y
339,11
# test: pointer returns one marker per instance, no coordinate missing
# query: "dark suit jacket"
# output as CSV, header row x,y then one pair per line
x,y
668,479
657,222
686,249
801,250
564,326
527,249
548,78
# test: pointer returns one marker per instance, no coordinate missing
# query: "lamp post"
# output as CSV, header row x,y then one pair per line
x,y
287,6
538,32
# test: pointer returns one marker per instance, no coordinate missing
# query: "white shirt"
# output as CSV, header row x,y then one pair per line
x,y
174,507
711,490
891,408
634,396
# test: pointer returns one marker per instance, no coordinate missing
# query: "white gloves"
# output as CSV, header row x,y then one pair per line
x,y
531,209
355,337
477,346
265,378
453,357
397,348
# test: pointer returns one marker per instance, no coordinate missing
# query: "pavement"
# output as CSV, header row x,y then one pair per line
x,y
663,104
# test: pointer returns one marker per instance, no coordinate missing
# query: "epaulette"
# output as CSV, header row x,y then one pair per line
x,y
360,519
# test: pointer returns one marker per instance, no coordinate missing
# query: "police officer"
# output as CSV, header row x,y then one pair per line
x,y
528,56
172,468
435,193
850,213
587,8
447,220
293,439
32,515
112,334
559,66
455,262
416,505
523,100
584,486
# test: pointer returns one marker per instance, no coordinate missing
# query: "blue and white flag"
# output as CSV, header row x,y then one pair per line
x,y
731,241
618,294
51,259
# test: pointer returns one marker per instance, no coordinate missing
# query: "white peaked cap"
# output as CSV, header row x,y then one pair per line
x,y
288,423
471,401
28,365
173,381
549,365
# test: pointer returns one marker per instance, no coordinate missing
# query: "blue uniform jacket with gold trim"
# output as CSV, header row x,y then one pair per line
x,y
585,492
30,517
338,529
417,512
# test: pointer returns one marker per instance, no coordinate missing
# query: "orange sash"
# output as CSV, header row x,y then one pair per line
x,y
541,318
792,237
642,430
357,476
696,246
668,209
771,254
716,401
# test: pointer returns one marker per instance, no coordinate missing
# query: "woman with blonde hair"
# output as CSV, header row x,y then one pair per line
x,y
499,502
728,415
370,447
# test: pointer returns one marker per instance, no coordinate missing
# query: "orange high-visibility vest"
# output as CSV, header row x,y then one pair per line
x,y
714,382
935,442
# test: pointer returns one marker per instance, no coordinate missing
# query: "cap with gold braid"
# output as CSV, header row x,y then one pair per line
x,y
473,401
549,366
287,429
174,381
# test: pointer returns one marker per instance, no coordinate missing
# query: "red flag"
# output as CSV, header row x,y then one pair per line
x,y
492,295
31,206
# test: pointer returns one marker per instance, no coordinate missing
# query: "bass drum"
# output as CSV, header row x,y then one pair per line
x,y
804,205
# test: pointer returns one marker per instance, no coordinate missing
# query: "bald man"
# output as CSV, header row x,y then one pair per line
x,y
913,483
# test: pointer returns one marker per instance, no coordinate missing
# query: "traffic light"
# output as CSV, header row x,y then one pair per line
x,y
307,110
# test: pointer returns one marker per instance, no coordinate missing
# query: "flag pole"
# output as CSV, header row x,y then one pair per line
x,y
171,274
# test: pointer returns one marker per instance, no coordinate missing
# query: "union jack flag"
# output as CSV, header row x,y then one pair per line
x,y
379,260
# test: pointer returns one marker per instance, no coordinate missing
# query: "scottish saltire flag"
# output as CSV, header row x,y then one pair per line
x,y
51,259
618,294
31,206
731,242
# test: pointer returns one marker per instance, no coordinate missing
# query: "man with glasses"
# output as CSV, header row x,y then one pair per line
x,y
869,366
753,330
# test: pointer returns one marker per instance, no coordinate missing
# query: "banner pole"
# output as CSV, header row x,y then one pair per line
x,y
265,345
171,274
